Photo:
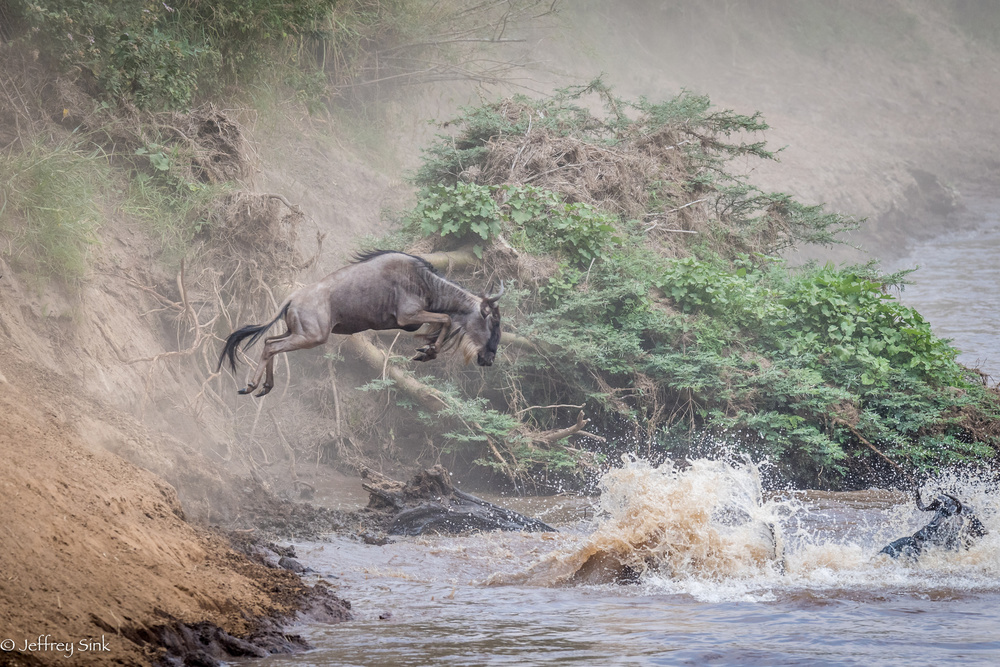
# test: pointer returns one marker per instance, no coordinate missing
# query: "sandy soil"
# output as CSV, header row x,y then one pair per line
x,y
97,553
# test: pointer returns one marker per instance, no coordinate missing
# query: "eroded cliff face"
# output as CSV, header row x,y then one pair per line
x,y
97,553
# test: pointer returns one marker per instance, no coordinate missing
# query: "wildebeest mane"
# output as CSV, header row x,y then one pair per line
x,y
444,296
360,257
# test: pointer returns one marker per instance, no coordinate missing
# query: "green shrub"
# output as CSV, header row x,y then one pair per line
x,y
703,337
156,55
461,210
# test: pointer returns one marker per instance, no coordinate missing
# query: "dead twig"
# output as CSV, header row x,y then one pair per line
x,y
548,407
674,210
555,435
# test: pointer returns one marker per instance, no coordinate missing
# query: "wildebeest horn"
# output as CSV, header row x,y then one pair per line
x,y
494,298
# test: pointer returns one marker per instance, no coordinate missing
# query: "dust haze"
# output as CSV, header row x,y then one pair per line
x,y
883,111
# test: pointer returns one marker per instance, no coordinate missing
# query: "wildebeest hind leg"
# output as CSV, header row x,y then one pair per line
x,y
287,343
269,372
261,364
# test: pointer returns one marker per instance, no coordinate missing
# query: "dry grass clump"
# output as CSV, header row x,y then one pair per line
x,y
204,145
248,223
220,150
625,178
252,245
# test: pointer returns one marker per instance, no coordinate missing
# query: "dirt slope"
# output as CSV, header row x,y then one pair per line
x,y
95,547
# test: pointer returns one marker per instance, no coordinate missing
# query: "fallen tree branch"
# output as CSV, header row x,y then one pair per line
x,y
446,260
555,435
428,397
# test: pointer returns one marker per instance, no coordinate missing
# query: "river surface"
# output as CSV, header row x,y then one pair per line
x,y
713,586
956,286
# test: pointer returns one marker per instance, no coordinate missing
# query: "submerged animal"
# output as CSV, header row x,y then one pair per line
x,y
953,527
380,290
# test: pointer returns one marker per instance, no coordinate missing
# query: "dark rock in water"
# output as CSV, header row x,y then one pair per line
x,y
291,564
953,527
430,504
374,540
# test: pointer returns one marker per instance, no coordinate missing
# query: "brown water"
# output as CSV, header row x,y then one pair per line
x,y
710,592
957,285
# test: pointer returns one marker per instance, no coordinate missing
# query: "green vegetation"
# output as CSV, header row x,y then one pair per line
x,y
651,289
155,55
134,78
48,206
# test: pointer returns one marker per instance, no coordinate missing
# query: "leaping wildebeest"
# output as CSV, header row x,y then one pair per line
x,y
380,290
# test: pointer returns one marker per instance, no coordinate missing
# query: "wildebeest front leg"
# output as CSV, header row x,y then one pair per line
x,y
429,351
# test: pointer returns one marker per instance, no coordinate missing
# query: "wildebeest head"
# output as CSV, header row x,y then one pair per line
x,y
481,330
945,504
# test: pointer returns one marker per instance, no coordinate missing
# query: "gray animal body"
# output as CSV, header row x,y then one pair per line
x,y
380,290
953,527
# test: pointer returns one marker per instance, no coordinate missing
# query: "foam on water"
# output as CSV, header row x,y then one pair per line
x,y
708,531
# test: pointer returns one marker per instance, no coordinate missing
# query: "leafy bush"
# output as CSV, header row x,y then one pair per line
x,y
458,210
155,55
535,219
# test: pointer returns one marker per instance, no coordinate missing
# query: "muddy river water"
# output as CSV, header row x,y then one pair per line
x,y
712,591
725,573
957,285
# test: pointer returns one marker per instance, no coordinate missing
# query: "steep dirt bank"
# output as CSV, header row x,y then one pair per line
x,y
97,554
111,434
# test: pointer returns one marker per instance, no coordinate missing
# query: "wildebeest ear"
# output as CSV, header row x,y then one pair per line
x,y
485,307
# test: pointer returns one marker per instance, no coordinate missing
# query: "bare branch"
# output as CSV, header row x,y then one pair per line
x,y
555,435
547,407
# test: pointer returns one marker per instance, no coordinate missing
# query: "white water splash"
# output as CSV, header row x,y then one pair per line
x,y
708,531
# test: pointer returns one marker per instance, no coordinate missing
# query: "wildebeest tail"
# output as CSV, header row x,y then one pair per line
x,y
251,331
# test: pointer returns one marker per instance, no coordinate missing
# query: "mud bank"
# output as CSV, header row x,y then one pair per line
x,y
99,561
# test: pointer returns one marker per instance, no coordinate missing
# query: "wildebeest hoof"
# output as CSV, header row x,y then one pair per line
x,y
248,390
425,353
263,392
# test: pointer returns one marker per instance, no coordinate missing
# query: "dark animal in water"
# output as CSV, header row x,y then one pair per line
x,y
953,527
380,290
